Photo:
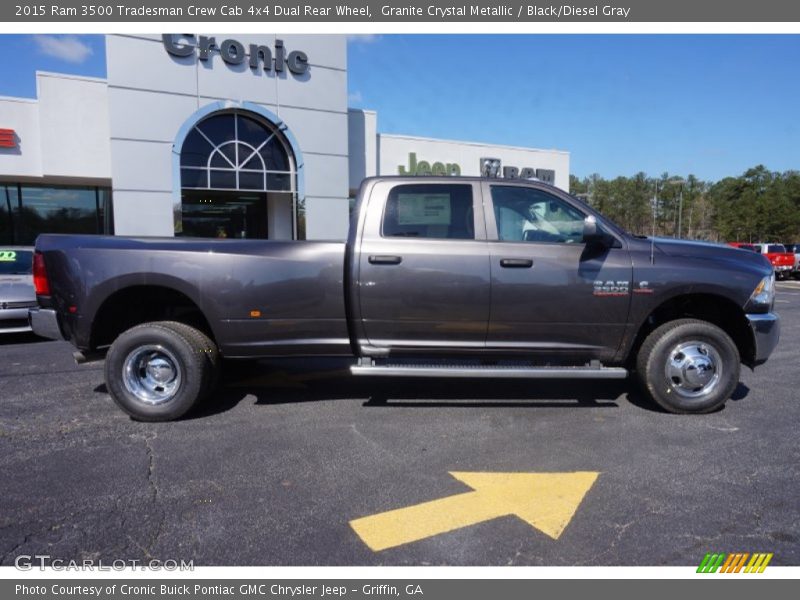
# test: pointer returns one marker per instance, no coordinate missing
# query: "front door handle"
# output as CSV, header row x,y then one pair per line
x,y
384,259
516,263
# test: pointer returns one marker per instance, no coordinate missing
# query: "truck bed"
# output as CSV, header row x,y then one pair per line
x,y
259,297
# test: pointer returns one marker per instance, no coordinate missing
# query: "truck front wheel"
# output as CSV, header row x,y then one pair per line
x,y
158,372
689,366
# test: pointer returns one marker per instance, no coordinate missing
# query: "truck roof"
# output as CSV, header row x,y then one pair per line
x,y
458,178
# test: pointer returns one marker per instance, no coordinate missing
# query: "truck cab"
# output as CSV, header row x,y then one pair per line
x,y
510,261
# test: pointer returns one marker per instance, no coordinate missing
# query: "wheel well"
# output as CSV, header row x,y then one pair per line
x,y
140,304
720,311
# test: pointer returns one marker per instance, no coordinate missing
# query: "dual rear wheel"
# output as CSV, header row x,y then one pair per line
x,y
158,371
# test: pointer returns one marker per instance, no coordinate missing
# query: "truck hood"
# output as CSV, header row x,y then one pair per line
x,y
712,251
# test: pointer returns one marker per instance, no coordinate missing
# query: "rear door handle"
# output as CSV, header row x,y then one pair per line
x,y
516,263
385,259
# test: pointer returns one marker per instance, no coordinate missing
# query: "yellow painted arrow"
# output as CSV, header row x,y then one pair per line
x,y
546,501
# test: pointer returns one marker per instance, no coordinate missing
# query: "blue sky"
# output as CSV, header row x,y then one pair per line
x,y
23,55
711,105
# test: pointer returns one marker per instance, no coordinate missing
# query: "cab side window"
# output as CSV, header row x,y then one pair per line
x,y
530,215
442,211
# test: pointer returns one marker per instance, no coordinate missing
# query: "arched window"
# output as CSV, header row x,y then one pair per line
x,y
238,174
236,150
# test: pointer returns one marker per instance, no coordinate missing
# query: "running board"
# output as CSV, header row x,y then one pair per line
x,y
494,372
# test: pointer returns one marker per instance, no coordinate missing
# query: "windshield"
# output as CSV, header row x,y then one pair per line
x,y
776,248
15,262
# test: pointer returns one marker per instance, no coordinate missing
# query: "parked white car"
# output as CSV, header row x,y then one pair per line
x,y
17,294
795,249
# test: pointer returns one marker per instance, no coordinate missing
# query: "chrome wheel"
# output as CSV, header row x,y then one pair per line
x,y
693,369
152,374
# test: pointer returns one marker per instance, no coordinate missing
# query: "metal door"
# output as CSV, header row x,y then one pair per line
x,y
423,269
552,294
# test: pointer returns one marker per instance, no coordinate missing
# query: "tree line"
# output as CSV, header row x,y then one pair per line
x,y
759,205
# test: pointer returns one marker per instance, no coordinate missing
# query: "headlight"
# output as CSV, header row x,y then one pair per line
x,y
764,293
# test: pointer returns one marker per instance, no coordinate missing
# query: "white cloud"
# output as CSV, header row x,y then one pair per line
x,y
355,97
65,47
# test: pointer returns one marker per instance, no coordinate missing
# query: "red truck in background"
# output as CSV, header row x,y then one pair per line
x,y
781,260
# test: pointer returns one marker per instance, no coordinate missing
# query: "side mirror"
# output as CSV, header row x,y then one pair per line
x,y
591,232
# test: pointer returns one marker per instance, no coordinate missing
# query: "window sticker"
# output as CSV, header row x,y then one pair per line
x,y
423,209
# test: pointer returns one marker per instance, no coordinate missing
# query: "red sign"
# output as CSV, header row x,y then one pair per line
x,y
8,138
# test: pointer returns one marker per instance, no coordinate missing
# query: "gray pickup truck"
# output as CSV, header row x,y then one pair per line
x,y
439,277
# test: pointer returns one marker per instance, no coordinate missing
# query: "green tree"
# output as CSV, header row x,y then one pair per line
x,y
758,205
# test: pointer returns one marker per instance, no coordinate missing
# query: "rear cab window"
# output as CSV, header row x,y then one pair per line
x,y
15,262
431,211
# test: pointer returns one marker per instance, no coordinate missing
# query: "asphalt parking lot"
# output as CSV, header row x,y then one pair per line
x,y
273,471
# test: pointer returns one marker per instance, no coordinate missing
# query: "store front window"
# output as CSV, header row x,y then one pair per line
x,y
238,180
27,211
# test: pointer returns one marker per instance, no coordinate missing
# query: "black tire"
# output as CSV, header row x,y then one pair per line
x,y
157,372
689,366
208,347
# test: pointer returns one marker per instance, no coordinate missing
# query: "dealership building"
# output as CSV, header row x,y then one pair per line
x,y
241,136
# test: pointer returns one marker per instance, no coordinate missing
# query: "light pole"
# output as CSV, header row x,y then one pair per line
x,y
653,236
678,181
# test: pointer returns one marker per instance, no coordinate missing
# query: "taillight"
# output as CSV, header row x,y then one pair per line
x,y
40,275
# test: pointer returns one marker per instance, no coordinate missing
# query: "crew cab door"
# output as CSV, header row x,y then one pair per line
x,y
552,293
423,270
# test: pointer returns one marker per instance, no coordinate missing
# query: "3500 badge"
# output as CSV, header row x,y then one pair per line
x,y
611,288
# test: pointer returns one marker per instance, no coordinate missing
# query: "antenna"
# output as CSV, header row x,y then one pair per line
x,y
653,237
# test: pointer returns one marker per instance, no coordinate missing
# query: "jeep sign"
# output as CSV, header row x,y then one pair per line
x,y
423,167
